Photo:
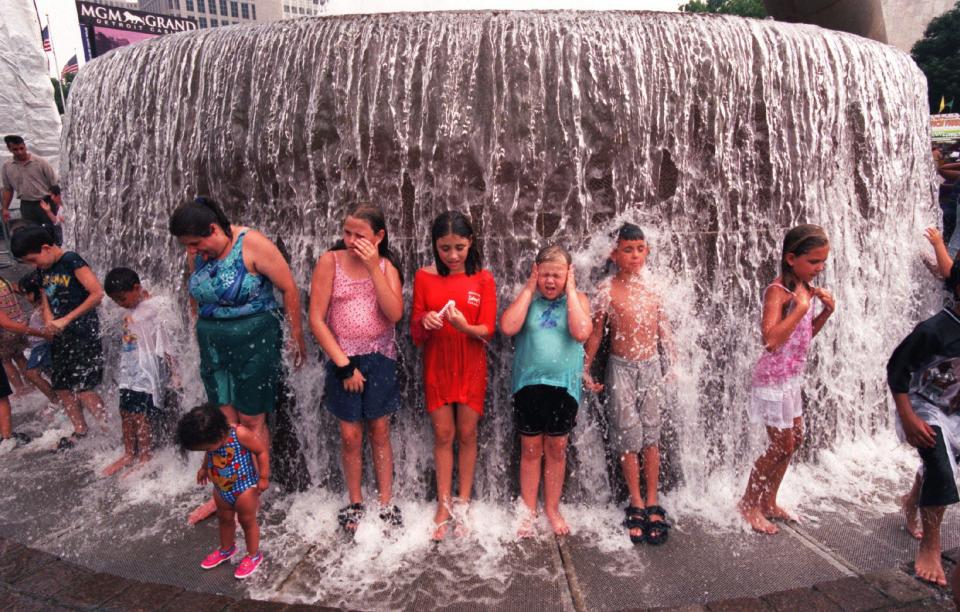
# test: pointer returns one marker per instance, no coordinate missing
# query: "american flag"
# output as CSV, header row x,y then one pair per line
x,y
70,67
45,35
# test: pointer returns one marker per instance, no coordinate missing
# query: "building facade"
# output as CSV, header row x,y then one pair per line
x,y
300,8
217,13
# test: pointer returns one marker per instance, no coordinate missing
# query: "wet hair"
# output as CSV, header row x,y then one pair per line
x,y
30,240
120,280
30,284
799,241
627,231
630,231
204,425
373,216
555,253
194,218
13,139
456,223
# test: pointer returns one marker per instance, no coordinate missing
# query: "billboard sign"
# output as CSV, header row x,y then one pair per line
x,y
107,27
945,127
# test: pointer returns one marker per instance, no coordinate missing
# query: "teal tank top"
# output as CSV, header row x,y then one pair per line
x,y
224,289
546,353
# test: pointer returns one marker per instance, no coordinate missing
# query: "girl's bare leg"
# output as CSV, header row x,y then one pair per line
x,y
226,522
71,405
382,457
6,420
13,374
768,504
92,403
467,420
351,455
555,466
246,509
35,376
444,430
531,460
758,485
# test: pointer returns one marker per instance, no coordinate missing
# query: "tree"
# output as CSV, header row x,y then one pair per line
x,y
65,83
938,55
744,8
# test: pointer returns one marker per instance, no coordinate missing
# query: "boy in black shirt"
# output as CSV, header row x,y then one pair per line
x,y
71,294
924,377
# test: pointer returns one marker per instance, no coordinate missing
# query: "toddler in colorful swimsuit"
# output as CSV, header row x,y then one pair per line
x,y
787,327
228,463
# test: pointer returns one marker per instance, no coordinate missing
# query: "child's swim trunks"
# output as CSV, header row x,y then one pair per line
x,y
635,392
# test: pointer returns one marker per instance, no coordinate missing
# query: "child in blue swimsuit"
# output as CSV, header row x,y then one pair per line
x,y
230,462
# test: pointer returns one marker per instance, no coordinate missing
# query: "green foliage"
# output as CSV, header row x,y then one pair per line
x,y
744,8
65,84
938,55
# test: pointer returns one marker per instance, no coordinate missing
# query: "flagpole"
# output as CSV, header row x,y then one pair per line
x,y
56,64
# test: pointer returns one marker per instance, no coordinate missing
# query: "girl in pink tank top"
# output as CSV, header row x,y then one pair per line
x,y
787,327
355,304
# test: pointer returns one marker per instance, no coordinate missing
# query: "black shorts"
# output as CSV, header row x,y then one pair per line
x,y
939,485
77,362
543,409
5,389
136,402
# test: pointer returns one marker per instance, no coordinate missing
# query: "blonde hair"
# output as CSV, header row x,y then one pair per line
x,y
555,253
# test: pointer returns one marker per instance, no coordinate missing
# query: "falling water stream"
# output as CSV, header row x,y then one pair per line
x,y
716,134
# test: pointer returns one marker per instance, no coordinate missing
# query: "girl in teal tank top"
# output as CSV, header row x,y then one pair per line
x,y
551,321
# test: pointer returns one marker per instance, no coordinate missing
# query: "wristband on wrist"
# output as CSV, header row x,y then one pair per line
x,y
344,372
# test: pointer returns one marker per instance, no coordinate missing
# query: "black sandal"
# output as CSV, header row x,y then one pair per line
x,y
391,516
350,515
636,519
657,531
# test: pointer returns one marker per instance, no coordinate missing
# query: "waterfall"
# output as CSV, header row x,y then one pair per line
x,y
715,133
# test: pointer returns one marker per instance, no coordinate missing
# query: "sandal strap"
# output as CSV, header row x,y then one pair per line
x,y
350,514
392,515
658,510
636,518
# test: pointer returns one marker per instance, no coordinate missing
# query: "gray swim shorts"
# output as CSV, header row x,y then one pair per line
x,y
635,392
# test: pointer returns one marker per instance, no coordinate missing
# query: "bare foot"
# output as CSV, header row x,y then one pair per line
x,y
528,524
928,566
559,525
118,465
204,510
442,521
909,507
780,513
461,517
756,519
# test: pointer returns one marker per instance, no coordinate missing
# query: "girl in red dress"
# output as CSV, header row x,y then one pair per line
x,y
454,312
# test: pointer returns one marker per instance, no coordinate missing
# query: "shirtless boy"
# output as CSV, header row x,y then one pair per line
x,y
634,380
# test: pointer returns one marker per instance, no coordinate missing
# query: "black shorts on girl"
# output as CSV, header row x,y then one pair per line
x,y
5,389
77,362
136,402
380,395
544,409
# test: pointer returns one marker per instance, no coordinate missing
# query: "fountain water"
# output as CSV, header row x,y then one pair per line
x,y
714,133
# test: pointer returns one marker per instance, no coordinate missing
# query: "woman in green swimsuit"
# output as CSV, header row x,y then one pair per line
x,y
234,271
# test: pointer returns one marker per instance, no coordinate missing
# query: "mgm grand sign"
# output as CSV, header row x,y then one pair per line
x,y
107,27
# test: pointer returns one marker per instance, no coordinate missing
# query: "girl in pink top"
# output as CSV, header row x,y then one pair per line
x,y
355,304
787,327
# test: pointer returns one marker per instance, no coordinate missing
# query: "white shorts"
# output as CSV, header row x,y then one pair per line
x,y
778,405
